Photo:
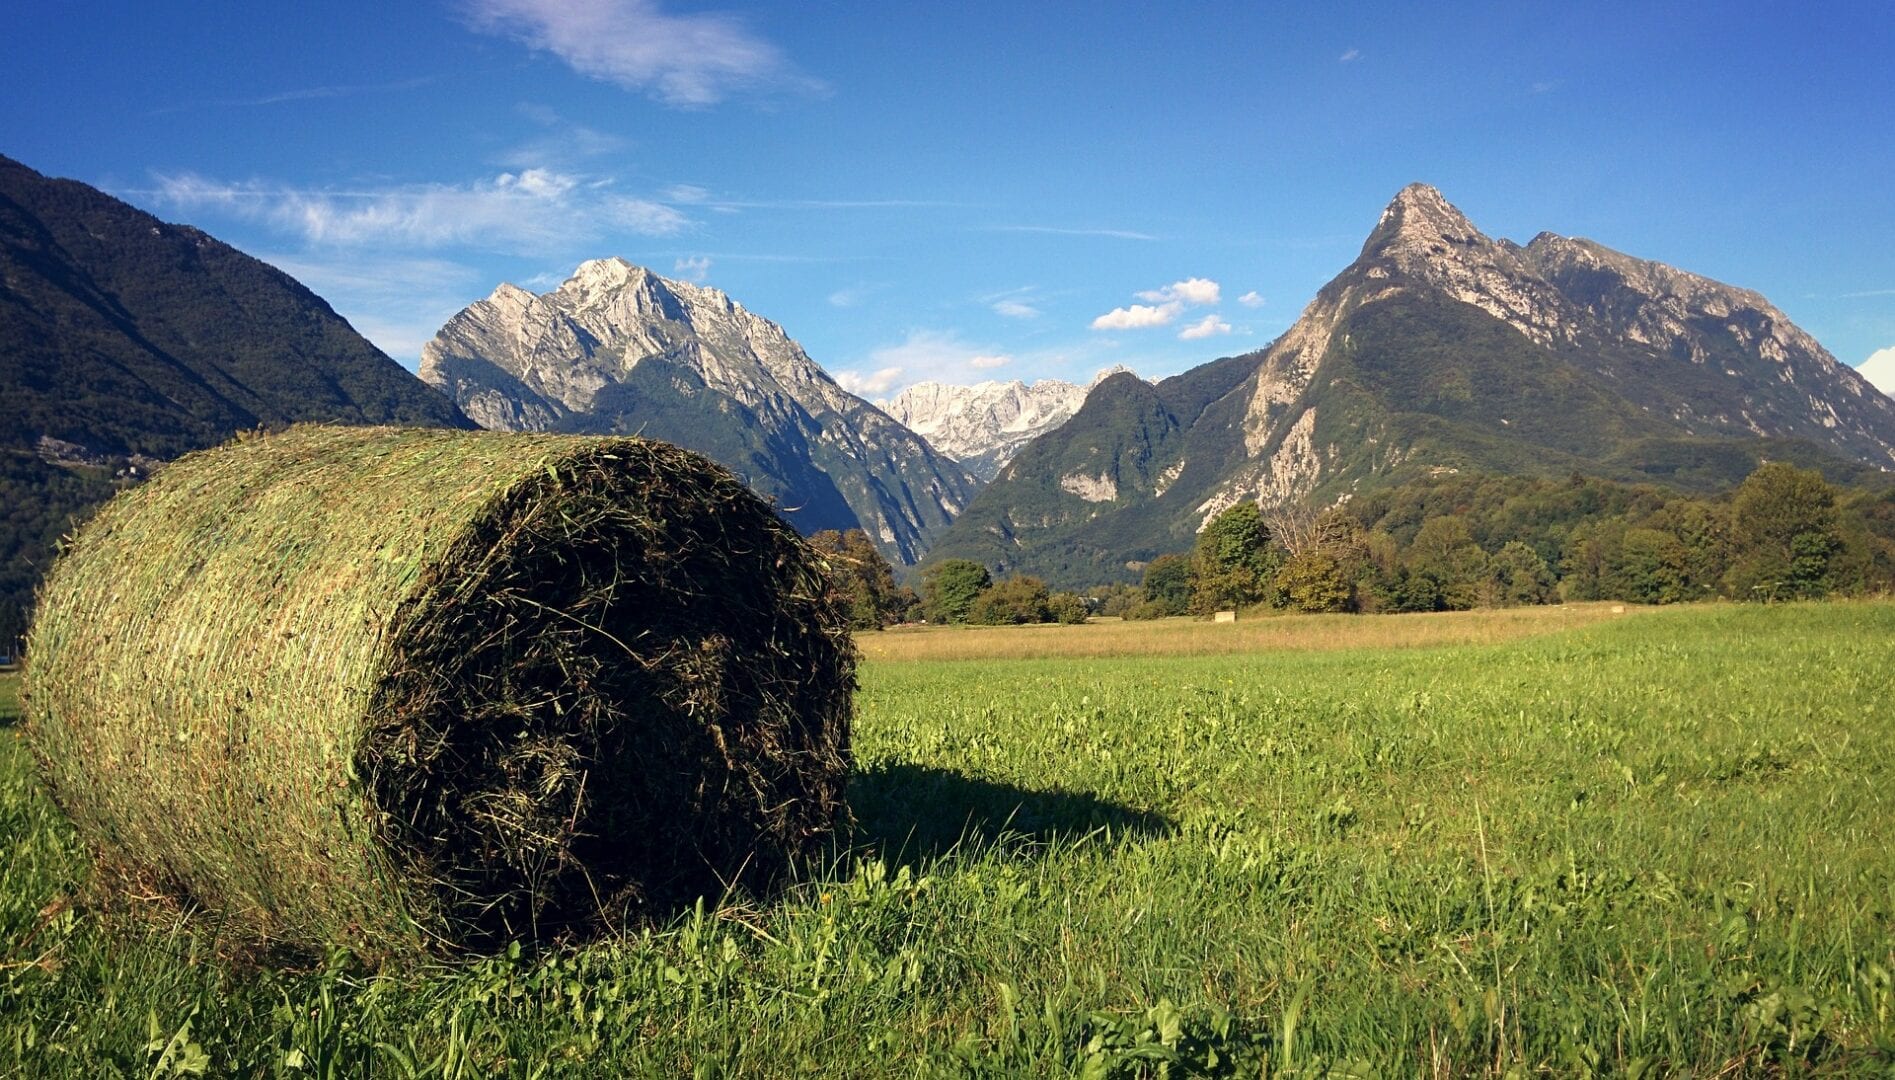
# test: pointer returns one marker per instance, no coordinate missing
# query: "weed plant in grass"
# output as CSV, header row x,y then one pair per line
x,y
1648,846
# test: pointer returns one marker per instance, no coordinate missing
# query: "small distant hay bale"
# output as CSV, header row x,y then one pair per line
x,y
410,691
1224,616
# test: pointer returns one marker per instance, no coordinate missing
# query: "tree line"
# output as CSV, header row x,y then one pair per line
x,y
1446,543
862,583
1454,543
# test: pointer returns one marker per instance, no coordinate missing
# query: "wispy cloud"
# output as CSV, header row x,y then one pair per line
x,y
1350,56
936,355
870,384
1020,303
1208,326
1866,293
689,60
533,209
1251,299
563,144
1111,234
696,195
307,93
1015,309
850,296
1543,87
692,268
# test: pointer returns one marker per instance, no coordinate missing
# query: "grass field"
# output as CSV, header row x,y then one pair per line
x,y
1112,638
1649,845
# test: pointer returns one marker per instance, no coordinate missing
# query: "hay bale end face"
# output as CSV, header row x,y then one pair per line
x,y
414,691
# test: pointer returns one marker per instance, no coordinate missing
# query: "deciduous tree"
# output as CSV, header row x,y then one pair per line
x,y
949,588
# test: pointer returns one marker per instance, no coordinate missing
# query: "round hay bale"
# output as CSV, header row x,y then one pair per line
x,y
409,690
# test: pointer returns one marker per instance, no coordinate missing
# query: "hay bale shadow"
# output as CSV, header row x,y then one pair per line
x,y
911,815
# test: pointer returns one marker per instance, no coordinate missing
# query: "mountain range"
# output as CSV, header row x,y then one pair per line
x,y
1438,349
619,349
125,341
982,426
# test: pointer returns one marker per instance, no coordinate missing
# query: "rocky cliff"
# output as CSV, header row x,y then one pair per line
x,y
982,426
1437,349
619,349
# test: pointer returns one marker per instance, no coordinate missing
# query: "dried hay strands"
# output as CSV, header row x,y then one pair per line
x,y
409,691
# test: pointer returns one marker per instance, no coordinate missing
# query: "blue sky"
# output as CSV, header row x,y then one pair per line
x,y
967,191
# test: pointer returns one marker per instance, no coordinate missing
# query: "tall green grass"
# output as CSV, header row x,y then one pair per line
x,y
1645,847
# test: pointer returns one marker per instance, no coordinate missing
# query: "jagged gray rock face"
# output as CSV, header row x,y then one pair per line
x,y
982,426
617,349
1708,358
1438,349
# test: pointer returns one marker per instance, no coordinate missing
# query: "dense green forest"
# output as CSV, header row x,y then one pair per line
x,y
1463,541
1459,541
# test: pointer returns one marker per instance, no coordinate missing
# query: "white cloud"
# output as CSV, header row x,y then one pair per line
x,y
1015,309
687,193
985,362
539,183
848,297
692,268
1167,304
688,60
1195,291
875,383
534,209
1204,328
1352,54
1251,299
1137,317
1879,369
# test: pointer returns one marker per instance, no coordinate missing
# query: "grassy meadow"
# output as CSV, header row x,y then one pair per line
x,y
1565,842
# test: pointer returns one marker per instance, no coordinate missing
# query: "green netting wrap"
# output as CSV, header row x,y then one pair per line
x,y
412,691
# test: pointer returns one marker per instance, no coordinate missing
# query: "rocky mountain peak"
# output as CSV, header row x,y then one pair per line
x,y
1420,220
984,425
604,275
1552,254
617,348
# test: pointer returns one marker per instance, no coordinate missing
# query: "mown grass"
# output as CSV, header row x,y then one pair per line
x,y
1261,631
1648,846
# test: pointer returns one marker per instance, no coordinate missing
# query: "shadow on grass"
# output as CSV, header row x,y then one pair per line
x,y
912,814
